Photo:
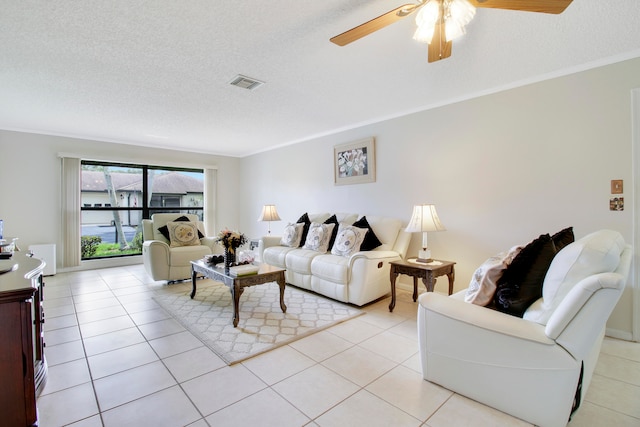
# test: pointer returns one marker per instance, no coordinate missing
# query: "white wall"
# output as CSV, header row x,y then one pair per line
x,y
501,169
30,176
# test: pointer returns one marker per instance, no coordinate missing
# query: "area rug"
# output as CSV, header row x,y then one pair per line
x,y
262,326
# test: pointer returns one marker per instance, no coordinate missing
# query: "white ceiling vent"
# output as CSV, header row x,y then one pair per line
x,y
246,82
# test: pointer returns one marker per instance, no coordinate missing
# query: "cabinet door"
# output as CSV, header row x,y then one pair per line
x,y
17,394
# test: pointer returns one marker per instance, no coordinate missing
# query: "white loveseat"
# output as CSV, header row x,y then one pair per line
x,y
163,262
536,366
357,279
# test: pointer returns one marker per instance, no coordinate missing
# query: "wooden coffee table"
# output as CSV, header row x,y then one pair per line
x,y
236,285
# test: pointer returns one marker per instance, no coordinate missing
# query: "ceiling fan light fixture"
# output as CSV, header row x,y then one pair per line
x,y
426,19
456,14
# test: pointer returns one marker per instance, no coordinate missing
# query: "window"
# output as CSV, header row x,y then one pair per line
x,y
115,197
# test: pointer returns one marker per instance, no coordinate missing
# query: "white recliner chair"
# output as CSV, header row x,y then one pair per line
x,y
163,262
537,368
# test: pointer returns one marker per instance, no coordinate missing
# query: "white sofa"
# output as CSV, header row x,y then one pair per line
x,y
163,262
532,367
358,279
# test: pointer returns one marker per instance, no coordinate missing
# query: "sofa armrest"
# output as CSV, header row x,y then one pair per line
x,y
267,242
484,318
374,255
155,257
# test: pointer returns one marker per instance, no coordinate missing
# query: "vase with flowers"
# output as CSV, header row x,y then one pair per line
x,y
230,242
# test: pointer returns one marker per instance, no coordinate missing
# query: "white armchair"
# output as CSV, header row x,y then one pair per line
x,y
536,370
163,262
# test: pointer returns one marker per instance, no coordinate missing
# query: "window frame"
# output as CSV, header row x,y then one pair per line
x,y
146,209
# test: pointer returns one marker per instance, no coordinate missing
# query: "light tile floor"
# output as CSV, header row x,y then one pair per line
x,y
117,359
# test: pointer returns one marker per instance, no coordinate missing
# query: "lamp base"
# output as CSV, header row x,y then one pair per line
x,y
424,256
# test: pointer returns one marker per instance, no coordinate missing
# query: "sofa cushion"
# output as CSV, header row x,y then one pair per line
x,y
182,233
348,240
165,231
346,218
276,255
319,236
598,252
183,255
332,268
370,241
483,284
299,260
292,235
521,282
386,229
319,217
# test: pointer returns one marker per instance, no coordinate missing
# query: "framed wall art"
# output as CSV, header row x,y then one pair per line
x,y
355,162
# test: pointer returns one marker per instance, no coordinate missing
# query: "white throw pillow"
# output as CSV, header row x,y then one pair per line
x,y
318,237
292,235
348,240
182,233
484,281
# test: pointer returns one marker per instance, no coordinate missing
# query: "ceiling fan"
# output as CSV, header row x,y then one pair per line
x,y
440,21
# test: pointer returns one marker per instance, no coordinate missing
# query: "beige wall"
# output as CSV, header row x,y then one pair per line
x,y
501,169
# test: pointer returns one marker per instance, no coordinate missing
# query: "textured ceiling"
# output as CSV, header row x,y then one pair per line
x,y
156,73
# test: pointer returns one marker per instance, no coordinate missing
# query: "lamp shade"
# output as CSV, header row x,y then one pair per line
x,y
424,218
269,213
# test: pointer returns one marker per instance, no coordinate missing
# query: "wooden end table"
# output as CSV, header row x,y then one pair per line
x,y
236,284
427,272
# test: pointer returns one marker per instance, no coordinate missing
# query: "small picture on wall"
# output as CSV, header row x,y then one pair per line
x,y
616,204
355,162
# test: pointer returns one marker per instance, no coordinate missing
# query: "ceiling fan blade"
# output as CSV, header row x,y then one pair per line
x,y
544,6
375,24
439,48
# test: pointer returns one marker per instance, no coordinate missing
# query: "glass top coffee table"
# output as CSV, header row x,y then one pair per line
x,y
236,284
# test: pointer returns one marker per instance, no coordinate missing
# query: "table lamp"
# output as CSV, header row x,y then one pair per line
x,y
424,219
269,213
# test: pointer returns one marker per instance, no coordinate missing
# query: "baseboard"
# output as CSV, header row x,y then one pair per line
x,y
618,334
104,263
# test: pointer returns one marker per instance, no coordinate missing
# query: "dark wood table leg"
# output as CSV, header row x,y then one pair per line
x,y
429,281
393,276
193,282
415,288
451,277
281,284
236,291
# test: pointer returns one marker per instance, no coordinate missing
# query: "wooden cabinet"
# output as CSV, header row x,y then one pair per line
x,y
23,368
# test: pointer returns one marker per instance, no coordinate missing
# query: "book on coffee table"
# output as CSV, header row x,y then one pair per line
x,y
244,270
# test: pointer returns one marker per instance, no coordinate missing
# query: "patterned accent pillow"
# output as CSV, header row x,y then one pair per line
x,y
482,287
319,236
165,231
348,240
182,234
292,235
